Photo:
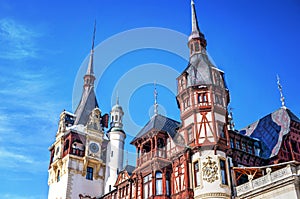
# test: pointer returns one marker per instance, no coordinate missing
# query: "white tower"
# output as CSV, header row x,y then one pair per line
x,y
115,147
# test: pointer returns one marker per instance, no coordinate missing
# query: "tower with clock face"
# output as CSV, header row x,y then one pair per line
x,y
77,165
115,147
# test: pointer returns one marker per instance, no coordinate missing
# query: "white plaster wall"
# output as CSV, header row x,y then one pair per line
x,y
207,187
219,117
58,189
189,120
80,185
284,192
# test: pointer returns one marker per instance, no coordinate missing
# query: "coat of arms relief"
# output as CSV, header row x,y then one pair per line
x,y
210,170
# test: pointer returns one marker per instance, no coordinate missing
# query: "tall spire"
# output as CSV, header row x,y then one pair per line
x,y
195,27
281,93
90,69
197,40
155,100
88,99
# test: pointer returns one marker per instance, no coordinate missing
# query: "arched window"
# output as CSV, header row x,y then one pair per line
x,y
58,176
159,187
116,117
197,47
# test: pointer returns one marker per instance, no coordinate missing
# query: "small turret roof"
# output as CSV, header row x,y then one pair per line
x,y
159,122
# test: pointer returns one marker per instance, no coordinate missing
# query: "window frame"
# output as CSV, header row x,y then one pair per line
x,y
147,183
223,171
196,174
89,173
158,183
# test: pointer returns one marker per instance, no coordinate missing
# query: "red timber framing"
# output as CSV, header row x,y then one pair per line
x,y
201,101
154,145
124,187
243,150
180,183
74,144
158,173
154,167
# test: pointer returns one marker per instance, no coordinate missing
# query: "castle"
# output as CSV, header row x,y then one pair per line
x,y
202,156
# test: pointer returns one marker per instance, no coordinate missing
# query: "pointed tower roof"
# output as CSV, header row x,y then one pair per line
x,y
196,33
88,99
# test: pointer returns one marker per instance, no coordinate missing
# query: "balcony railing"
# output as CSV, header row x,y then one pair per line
x,y
265,180
77,152
161,153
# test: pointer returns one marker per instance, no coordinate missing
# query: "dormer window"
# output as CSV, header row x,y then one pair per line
x,y
192,48
197,46
182,84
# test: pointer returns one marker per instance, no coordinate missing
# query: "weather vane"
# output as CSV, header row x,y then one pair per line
x,y
281,93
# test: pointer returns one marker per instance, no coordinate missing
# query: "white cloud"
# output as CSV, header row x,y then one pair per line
x,y
17,41
6,155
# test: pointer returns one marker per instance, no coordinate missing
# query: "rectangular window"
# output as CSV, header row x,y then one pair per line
x,y
196,174
237,145
58,175
202,97
221,130
147,187
186,103
231,143
244,146
168,191
158,177
223,172
89,173
250,149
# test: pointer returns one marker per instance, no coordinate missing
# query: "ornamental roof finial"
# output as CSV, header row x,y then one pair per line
x,y
282,99
155,100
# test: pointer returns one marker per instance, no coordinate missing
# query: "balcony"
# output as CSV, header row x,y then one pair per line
x,y
77,152
157,153
265,181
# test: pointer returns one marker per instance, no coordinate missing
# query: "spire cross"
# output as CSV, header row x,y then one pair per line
x,y
155,99
281,93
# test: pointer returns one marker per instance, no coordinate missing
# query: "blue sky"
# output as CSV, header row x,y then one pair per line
x,y
43,44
